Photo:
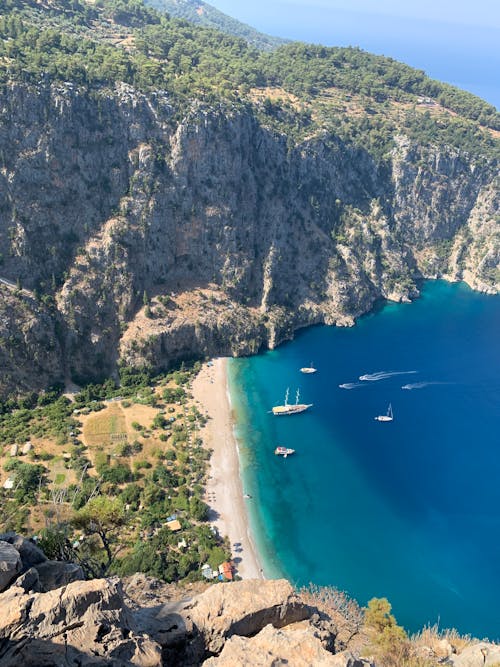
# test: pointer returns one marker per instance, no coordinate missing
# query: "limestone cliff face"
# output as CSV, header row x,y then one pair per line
x,y
233,237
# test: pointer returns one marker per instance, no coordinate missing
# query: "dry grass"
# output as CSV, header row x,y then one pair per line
x,y
438,639
106,427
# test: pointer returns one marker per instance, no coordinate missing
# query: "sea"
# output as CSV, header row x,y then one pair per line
x,y
453,41
408,509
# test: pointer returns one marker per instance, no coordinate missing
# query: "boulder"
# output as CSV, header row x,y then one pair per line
x,y
54,574
482,654
347,659
243,608
29,581
192,629
273,646
10,564
30,554
83,623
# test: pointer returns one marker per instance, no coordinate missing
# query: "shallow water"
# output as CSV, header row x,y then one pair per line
x,y
409,509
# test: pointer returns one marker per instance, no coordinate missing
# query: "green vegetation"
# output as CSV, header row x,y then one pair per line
x,y
211,17
114,517
18,424
362,98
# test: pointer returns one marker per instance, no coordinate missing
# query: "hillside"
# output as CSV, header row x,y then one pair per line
x,y
204,14
170,192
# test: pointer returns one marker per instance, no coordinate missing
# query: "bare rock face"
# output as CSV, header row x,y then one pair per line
x,y
29,553
271,647
29,581
54,574
237,238
83,623
478,655
47,574
191,630
10,564
226,610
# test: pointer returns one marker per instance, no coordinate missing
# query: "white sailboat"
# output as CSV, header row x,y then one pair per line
x,y
387,417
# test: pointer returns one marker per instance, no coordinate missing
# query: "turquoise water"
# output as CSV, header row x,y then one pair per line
x,y
410,509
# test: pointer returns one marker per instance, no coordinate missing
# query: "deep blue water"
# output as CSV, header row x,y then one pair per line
x,y
409,510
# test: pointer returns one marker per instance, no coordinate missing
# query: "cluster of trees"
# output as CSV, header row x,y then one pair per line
x,y
193,61
212,18
307,69
18,422
120,507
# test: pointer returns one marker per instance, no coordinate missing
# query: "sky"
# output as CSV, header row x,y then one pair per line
x,y
454,41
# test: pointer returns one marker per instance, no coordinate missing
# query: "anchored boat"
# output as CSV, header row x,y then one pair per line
x,y
309,369
387,417
290,409
284,451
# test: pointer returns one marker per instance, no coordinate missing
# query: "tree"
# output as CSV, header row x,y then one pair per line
x,y
198,510
389,639
378,614
102,516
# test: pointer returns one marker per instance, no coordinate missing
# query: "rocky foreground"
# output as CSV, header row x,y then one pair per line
x,y
50,616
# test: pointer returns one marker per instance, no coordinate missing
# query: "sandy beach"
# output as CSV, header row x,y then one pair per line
x,y
224,493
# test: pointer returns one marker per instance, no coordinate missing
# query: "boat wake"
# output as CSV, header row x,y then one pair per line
x,y
421,385
383,375
351,385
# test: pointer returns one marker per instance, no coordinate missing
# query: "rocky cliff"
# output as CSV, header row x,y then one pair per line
x,y
50,616
143,236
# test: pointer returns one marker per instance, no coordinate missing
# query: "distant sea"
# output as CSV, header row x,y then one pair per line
x,y
451,41
408,510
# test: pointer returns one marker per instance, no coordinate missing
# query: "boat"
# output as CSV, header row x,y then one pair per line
x,y
309,369
290,409
387,417
284,451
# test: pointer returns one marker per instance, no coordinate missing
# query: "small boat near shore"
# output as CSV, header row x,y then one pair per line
x,y
291,408
284,451
388,417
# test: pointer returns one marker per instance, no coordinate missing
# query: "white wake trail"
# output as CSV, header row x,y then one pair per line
x,y
383,375
421,385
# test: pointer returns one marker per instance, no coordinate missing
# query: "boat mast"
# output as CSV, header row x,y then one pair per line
x,y
286,396
297,397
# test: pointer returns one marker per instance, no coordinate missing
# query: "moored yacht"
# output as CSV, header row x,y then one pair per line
x,y
290,408
387,417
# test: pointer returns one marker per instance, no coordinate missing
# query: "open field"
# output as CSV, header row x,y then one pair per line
x,y
107,427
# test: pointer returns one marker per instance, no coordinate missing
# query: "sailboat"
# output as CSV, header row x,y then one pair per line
x,y
291,409
387,417
308,369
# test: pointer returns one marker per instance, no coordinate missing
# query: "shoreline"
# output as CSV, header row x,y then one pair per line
x,y
224,489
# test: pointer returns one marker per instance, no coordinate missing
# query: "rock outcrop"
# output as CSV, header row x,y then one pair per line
x,y
251,623
482,654
38,573
232,235
90,623
289,646
10,564
83,623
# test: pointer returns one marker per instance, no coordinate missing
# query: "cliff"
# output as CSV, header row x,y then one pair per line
x,y
146,238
